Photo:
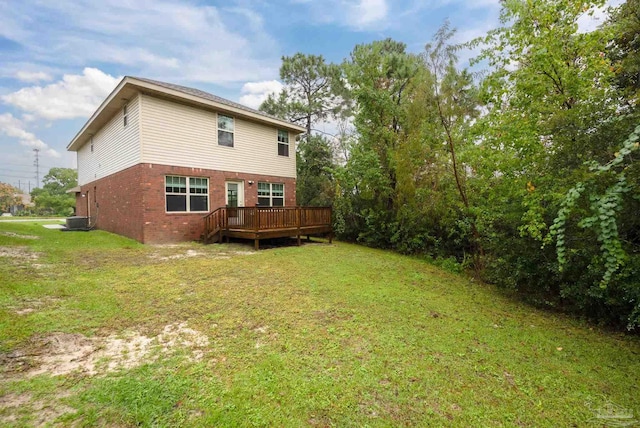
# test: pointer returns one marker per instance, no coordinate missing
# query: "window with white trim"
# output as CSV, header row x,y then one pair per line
x,y
225,131
283,143
270,194
124,115
186,194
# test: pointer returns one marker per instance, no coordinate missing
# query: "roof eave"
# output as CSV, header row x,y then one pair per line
x,y
75,144
216,105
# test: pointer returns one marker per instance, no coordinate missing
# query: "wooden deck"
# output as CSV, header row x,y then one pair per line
x,y
258,223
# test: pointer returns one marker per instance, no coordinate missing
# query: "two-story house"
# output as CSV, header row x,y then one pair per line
x,y
156,157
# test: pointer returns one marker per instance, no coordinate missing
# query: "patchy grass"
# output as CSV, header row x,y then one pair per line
x,y
321,335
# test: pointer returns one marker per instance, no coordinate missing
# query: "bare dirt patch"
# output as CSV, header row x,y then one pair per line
x,y
18,253
40,265
18,235
177,256
45,411
14,400
167,252
27,306
64,353
265,336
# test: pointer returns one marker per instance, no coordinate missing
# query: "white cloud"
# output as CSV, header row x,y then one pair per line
x,y
355,14
33,76
73,96
254,93
27,117
13,127
168,40
367,12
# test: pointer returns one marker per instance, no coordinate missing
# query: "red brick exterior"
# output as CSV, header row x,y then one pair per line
x,y
132,202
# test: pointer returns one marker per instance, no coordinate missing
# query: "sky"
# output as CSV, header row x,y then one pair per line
x,y
60,59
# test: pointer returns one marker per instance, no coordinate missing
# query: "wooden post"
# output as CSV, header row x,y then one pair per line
x,y
298,221
331,224
257,223
256,244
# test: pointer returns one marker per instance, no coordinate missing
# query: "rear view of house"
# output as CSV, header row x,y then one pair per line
x,y
156,157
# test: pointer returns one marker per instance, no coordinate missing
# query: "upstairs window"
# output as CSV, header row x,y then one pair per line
x,y
124,115
186,194
283,143
271,194
225,131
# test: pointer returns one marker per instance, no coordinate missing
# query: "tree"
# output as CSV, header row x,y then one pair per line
x,y
555,118
379,76
453,99
314,186
52,197
312,91
8,197
625,49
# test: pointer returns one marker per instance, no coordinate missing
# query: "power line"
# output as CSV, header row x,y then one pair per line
x,y
13,170
16,176
31,165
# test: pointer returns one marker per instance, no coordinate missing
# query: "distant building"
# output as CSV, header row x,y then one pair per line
x,y
25,202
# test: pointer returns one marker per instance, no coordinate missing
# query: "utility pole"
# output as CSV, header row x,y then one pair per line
x,y
36,163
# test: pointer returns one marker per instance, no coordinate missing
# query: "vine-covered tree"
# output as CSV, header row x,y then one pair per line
x,y
554,114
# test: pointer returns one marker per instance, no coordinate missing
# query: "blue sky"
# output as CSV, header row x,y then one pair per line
x,y
61,58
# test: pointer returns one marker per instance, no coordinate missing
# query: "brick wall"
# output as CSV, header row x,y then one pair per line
x,y
114,203
132,202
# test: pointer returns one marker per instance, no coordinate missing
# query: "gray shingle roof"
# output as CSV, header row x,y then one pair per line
x,y
206,96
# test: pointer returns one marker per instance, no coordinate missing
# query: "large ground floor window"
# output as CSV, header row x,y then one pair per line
x,y
186,194
270,194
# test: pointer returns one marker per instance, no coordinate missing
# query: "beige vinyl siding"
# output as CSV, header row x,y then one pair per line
x,y
116,147
175,134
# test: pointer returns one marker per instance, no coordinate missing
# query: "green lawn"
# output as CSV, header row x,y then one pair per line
x,y
318,335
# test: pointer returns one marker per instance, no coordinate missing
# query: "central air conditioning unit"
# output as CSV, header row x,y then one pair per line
x,y
77,223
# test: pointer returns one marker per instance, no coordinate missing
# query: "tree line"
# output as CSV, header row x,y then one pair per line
x,y
527,173
51,199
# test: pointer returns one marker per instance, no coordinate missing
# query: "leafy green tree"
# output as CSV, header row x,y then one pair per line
x,y
624,52
379,76
453,101
314,186
554,114
8,197
52,197
312,91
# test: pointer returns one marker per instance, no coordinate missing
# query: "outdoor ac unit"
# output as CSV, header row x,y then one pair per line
x,y
77,223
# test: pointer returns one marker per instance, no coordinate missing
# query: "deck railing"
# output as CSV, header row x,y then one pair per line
x,y
264,218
